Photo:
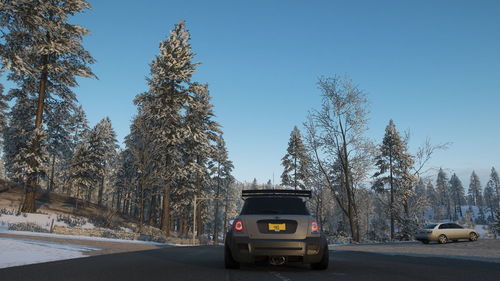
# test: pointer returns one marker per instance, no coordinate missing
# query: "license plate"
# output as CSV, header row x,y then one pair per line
x,y
277,226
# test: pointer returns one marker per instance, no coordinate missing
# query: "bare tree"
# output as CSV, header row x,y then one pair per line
x,y
335,137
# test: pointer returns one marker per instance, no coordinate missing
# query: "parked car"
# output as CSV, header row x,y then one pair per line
x,y
275,226
444,232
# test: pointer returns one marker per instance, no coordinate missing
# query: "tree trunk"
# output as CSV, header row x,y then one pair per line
x,y
165,218
101,190
216,225
30,192
52,168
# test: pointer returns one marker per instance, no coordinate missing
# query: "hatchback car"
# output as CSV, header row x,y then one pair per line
x,y
444,232
275,226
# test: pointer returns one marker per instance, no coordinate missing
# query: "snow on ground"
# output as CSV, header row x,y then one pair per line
x,y
4,229
16,252
42,220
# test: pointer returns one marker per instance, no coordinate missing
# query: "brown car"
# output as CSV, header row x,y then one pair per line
x,y
444,232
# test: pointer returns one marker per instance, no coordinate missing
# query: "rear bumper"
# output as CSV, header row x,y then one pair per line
x,y
246,250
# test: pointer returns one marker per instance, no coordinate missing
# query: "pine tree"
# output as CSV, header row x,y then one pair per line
x,y
199,147
59,136
82,170
443,192
494,182
496,222
457,195
432,198
475,194
489,197
42,47
295,162
221,168
394,164
102,145
163,105
3,108
18,131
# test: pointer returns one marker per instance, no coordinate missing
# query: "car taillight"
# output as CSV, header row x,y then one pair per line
x,y
429,231
238,225
314,227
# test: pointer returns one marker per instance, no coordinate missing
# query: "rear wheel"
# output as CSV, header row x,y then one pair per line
x,y
323,264
472,236
229,261
442,239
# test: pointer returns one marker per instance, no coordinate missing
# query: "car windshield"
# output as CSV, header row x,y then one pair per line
x,y
274,205
430,226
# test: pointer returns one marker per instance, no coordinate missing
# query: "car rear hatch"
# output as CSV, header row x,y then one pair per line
x,y
276,227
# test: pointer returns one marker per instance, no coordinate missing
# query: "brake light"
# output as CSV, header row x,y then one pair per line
x,y
314,227
238,225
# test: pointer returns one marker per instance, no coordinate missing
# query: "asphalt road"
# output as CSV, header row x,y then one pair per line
x,y
206,263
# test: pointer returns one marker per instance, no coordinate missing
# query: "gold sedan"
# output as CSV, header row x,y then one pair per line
x,y
444,232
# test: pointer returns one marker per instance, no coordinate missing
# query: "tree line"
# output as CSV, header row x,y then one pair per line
x,y
375,191
174,151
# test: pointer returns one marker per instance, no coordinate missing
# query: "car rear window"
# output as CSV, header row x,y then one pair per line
x,y
274,206
430,226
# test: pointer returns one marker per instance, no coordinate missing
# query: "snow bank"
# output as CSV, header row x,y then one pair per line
x,y
43,220
16,252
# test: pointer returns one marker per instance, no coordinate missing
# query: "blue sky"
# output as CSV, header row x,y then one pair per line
x,y
431,66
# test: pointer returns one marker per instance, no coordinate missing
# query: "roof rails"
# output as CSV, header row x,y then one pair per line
x,y
275,192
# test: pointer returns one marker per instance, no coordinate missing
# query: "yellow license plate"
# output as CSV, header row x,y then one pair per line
x,y
277,226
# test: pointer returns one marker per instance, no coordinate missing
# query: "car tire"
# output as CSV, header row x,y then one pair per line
x,y
472,237
442,239
323,264
425,241
229,261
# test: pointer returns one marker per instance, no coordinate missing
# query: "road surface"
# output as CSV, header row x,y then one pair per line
x,y
206,263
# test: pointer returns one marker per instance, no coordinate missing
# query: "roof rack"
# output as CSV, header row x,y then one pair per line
x,y
275,192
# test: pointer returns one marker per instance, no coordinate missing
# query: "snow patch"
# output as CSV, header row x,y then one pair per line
x,y
17,252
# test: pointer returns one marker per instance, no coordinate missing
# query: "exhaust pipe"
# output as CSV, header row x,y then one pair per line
x,y
277,260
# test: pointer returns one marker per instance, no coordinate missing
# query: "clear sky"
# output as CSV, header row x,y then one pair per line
x,y
431,66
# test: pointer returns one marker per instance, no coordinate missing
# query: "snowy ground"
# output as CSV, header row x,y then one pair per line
x,y
43,220
24,251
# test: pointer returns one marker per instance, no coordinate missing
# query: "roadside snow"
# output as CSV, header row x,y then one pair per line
x,y
24,251
4,229
42,220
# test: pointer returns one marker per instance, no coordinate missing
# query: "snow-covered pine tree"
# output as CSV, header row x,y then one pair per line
x,y
40,44
19,129
443,192
474,194
496,222
29,163
163,104
457,195
82,171
295,162
199,147
3,119
59,137
494,182
140,145
490,198
433,200
3,122
102,142
394,163
221,168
